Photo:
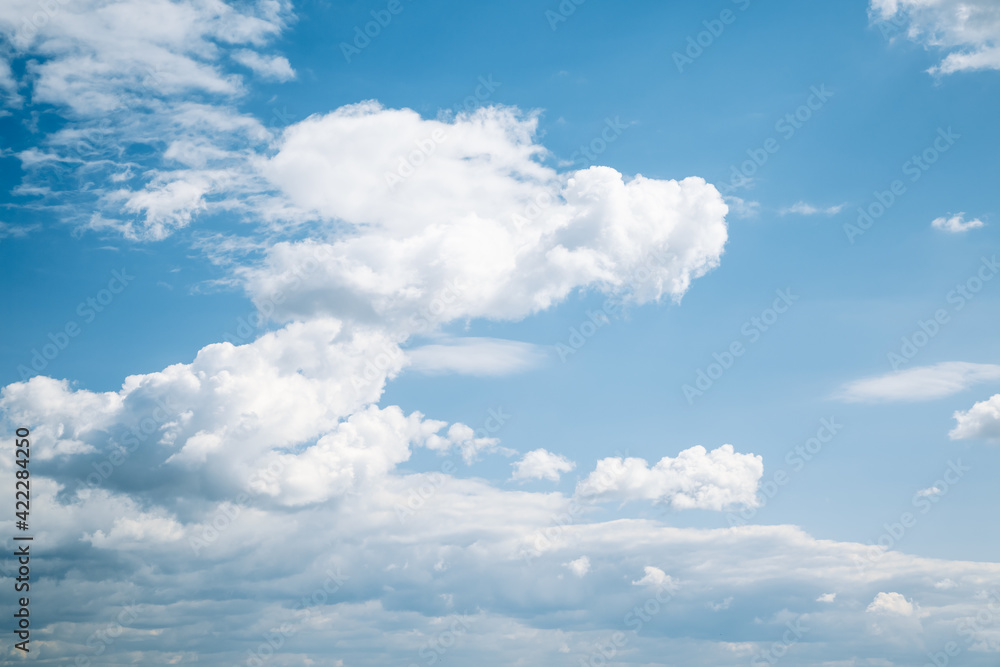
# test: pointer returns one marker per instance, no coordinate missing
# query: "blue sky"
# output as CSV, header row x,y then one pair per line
x,y
327,256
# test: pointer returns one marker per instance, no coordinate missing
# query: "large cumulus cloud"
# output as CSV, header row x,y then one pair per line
x,y
477,226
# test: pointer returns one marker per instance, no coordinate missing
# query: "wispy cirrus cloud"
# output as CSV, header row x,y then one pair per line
x,y
15,231
124,74
802,208
743,208
922,383
269,67
475,356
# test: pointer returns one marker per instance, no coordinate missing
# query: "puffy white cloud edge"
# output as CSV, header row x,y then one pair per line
x,y
969,29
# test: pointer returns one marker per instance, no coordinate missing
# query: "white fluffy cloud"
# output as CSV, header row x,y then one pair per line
x,y
892,604
542,464
968,29
956,224
218,415
921,383
982,420
579,567
654,577
359,453
297,403
269,67
476,226
696,478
